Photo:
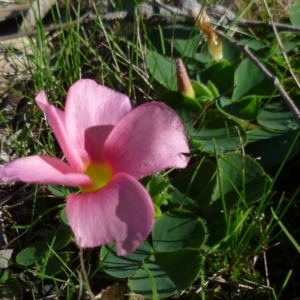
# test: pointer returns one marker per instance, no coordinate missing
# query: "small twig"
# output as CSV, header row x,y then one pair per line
x,y
15,239
257,284
84,19
139,40
273,79
250,23
84,274
16,193
92,17
287,27
281,46
80,286
37,11
264,252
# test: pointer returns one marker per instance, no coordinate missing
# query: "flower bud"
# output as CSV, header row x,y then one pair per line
x,y
183,80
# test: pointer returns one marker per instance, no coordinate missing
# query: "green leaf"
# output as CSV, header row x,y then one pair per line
x,y
63,217
202,90
271,147
250,80
288,47
11,289
123,266
216,226
162,69
253,44
279,60
171,272
176,40
277,116
220,135
60,238
5,274
31,254
221,74
58,191
179,102
52,264
194,186
193,67
295,14
157,188
213,89
186,108
244,110
157,211
178,229
241,180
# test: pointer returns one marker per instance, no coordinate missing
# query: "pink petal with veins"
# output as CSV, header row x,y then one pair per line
x,y
56,119
91,106
121,212
148,139
44,170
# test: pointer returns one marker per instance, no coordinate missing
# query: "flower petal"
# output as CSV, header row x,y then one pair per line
x,y
122,212
94,138
56,119
148,139
42,169
91,105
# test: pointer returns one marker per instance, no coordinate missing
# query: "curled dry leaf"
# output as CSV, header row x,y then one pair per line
x,y
215,47
116,292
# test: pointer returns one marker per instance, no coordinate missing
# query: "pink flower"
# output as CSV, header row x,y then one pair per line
x,y
108,147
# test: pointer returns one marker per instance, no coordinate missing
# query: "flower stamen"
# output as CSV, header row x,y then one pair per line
x,y
100,175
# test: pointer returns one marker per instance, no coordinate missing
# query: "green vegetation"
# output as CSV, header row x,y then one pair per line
x,y
227,225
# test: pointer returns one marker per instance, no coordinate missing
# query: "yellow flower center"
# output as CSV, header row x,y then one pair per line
x,y
100,174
